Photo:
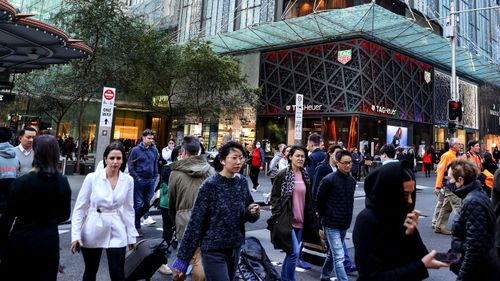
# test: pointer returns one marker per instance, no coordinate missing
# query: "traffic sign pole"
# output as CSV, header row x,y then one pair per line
x,y
105,122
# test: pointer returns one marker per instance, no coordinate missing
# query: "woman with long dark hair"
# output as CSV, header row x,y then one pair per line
x,y
103,217
39,201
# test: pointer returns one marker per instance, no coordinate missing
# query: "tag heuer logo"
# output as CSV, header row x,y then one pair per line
x,y
427,76
344,56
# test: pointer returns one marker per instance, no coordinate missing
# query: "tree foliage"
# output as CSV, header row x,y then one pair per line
x,y
144,65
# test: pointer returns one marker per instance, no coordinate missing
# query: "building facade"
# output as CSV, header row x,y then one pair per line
x,y
386,87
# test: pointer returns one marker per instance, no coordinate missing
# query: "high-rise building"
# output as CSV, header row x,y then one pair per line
x,y
162,14
42,9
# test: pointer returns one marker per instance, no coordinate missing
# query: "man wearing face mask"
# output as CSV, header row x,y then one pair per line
x,y
447,201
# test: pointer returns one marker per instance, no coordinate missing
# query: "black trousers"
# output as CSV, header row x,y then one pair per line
x,y
116,263
168,226
254,175
220,265
427,167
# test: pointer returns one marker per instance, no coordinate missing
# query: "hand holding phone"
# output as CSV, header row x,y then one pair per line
x,y
448,257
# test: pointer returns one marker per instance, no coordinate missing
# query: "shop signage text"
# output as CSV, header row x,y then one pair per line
x,y
299,101
307,107
383,110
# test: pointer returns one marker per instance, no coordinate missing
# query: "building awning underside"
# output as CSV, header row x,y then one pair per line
x,y
27,44
370,21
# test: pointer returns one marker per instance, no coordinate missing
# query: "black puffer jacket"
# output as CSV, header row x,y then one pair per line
x,y
382,249
335,200
473,235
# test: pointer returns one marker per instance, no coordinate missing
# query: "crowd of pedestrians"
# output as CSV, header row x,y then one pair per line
x,y
206,207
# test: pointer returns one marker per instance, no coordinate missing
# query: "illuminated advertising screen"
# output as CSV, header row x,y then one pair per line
x,y
397,135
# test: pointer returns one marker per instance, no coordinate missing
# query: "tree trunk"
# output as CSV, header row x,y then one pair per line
x,y
58,126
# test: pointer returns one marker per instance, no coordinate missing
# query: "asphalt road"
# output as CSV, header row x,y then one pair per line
x,y
425,203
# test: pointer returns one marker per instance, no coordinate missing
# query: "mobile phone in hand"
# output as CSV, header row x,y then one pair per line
x,y
448,257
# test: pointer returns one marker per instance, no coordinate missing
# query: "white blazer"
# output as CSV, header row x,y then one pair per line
x,y
103,217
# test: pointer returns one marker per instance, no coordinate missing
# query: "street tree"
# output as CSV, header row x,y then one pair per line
x,y
155,63
47,92
111,34
210,83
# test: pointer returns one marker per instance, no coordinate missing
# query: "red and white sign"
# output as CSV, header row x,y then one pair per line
x,y
107,106
109,94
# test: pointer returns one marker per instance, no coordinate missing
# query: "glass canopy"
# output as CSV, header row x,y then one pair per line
x,y
370,21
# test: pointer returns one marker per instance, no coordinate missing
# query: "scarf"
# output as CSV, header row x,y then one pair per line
x,y
289,183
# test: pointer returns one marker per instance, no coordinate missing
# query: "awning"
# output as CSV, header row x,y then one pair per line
x,y
27,44
370,21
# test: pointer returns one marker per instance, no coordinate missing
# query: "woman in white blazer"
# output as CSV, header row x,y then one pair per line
x,y
103,217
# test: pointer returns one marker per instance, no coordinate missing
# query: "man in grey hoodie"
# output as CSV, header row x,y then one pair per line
x,y
9,166
183,185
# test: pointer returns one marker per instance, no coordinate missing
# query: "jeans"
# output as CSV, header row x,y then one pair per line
x,y
335,239
221,265
144,190
116,263
290,262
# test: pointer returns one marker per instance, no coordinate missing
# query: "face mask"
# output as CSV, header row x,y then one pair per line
x,y
452,187
257,146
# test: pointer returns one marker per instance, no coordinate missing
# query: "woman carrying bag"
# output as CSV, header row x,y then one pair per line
x,y
293,218
103,217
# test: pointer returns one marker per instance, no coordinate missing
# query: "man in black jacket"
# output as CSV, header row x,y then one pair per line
x,y
335,202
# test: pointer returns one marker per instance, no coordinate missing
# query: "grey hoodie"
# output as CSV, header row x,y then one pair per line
x,y
9,167
185,180
9,164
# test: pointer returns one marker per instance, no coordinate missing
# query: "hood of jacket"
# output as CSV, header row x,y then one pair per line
x,y
194,166
466,189
385,194
7,150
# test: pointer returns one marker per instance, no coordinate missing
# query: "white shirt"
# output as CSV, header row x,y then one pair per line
x,y
113,226
24,151
166,154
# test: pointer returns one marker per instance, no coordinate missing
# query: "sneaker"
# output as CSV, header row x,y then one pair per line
x,y
149,221
442,230
304,265
165,270
266,196
254,189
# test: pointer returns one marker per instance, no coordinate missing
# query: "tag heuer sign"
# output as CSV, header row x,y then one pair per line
x,y
344,56
427,76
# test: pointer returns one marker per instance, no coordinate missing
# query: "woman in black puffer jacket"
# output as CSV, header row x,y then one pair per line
x,y
473,232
